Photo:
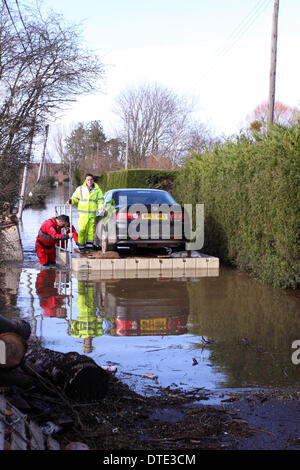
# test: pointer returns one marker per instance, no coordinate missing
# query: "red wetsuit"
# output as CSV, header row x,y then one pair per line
x,y
49,235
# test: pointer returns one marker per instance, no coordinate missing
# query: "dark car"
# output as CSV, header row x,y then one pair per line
x,y
143,218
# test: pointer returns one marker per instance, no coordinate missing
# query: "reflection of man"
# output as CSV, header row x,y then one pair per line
x,y
51,302
88,325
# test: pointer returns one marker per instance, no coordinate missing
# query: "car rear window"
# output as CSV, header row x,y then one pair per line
x,y
144,197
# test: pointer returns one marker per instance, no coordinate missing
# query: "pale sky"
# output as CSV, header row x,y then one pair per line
x,y
216,51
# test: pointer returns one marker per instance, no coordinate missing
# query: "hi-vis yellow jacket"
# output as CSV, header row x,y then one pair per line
x,y
88,202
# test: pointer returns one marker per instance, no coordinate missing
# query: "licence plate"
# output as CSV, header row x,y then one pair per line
x,y
155,216
154,324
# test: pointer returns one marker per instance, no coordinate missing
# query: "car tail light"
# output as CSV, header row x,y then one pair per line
x,y
125,327
126,216
177,215
175,324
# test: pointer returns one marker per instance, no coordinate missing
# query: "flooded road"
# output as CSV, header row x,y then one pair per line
x,y
225,332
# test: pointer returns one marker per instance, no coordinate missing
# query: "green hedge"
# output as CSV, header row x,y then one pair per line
x,y
250,191
156,179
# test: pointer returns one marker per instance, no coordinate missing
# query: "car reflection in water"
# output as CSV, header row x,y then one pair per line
x,y
144,306
125,307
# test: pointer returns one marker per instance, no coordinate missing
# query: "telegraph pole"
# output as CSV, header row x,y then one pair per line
x,y
127,142
271,106
25,174
42,163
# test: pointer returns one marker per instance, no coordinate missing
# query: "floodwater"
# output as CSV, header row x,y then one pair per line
x,y
221,333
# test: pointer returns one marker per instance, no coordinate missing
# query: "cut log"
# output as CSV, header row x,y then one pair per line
x,y
77,375
12,350
21,327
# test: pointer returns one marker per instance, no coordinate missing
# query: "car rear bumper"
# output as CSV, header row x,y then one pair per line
x,y
150,243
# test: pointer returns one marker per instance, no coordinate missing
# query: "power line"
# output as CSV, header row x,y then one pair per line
x,y
237,33
19,11
25,47
14,25
23,23
243,27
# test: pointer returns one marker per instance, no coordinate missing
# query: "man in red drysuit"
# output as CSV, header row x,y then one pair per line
x,y
49,235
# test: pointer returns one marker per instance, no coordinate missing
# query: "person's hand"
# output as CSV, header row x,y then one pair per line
x,y
101,212
71,235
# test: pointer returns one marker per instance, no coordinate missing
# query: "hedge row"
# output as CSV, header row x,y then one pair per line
x,y
250,191
156,179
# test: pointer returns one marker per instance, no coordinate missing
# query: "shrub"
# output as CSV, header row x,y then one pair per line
x,y
156,179
50,180
250,191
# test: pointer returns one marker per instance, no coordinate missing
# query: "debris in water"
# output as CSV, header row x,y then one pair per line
x,y
50,428
151,376
111,369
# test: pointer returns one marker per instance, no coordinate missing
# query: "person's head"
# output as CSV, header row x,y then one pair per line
x,y
89,180
63,220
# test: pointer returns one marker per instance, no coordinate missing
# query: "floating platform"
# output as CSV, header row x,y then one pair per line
x,y
95,268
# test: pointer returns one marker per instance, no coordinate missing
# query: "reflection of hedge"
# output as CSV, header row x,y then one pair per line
x,y
252,326
158,179
250,191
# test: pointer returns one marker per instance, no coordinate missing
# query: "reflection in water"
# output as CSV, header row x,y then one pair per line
x,y
239,331
89,324
51,301
145,307
252,327
9,286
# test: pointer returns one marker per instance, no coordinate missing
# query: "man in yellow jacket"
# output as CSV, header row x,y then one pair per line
x,y
89,200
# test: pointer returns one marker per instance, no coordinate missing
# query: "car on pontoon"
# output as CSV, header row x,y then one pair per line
x,y
141,218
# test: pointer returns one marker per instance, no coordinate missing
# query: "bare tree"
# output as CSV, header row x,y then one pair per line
x,y
155,121
283,114
200,139
57,146
42,68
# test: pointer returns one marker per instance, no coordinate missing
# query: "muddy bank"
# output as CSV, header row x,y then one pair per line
x,y
174,421
169,421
